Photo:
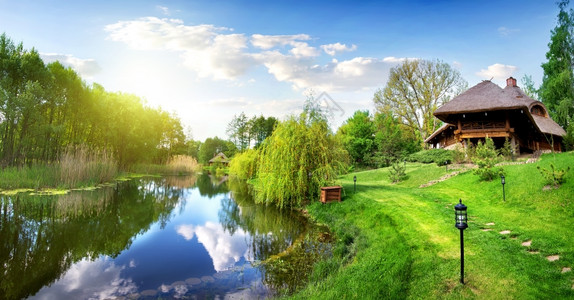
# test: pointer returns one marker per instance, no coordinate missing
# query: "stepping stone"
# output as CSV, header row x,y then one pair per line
x,y
486,229
193,281
553,257
207,279
489,224
533,251
505,232
566,269
527,243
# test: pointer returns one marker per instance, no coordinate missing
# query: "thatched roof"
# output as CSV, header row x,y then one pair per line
x,y
487,96
438,131
220,157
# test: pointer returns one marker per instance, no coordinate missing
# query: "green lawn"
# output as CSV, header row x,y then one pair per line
x,y
399,241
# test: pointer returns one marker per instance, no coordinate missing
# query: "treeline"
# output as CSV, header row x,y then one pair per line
x,y
47,108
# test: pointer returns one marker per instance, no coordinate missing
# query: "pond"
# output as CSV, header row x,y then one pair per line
x,y
173,237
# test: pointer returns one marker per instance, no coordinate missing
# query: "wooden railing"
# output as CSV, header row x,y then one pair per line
x,y
480,125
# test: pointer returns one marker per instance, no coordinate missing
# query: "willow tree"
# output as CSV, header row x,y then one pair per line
x,y
415,89
300,157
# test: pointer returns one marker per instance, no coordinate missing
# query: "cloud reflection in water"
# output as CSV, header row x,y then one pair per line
x,y
225,249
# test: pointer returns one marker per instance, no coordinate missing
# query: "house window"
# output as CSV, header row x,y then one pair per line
x,y
538,110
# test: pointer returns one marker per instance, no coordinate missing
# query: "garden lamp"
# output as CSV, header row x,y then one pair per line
x,y
503,181
355,183
461,219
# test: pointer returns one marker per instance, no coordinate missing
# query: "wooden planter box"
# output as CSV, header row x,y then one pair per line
x,y
331,193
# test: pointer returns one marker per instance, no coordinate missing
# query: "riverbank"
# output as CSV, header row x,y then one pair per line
x,y
399,240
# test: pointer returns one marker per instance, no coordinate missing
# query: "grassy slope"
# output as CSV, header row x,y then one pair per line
x,y
399,241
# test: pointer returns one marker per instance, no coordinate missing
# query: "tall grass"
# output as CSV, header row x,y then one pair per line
x,y
176,165
80,165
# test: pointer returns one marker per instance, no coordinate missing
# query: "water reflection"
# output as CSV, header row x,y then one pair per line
x,y
167,237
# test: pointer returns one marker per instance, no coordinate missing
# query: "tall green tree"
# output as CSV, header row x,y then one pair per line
x,y
557,89
358,136
415,89
300,157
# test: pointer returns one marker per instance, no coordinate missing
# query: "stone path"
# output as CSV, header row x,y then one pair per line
x,y
528,244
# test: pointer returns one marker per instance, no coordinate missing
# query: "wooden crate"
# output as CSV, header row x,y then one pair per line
x,y
331,193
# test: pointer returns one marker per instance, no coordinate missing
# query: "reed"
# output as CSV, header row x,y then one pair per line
x,y
80,165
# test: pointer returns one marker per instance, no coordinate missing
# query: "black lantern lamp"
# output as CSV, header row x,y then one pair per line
x,y
503,182
446,166
355,183
461,219
460,216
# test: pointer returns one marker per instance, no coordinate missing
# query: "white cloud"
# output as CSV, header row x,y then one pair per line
x,y
206,49
332,49
505,31
267,42
164,10
497,71
87,68
356,73
214,52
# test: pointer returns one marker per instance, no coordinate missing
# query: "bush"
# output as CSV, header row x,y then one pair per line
x,y
486,158
553,176
397,172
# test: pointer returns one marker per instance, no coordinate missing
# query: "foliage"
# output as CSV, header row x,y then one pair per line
x,y
415,89
506,150
244,165
357,135
486,158
212,146
528,87
557,89
438,156
376,141
299,158
44,109
553,176
242,130
397,171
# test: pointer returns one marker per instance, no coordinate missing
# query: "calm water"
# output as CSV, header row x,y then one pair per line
x,y
175,237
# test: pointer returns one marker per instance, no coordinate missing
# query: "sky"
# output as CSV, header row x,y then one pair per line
x,y
209,60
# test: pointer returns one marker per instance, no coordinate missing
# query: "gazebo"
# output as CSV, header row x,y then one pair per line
x,y
486,110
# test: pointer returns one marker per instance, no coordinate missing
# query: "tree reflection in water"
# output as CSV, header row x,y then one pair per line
x,y
45,239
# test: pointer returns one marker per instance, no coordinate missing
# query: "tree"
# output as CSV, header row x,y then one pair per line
x,y
300,157
528,87
239,130
392,140
415,89
357,135
557,89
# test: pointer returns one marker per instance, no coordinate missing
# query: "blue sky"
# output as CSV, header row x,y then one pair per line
x,y
209,60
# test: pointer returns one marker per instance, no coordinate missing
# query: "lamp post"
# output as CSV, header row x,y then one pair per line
x,y
461,218
503,181
446,166
354,183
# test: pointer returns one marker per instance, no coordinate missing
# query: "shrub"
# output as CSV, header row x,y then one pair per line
x,y
486,158
553,176
397,172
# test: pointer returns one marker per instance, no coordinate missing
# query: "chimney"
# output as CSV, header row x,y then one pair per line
x,y
511,82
